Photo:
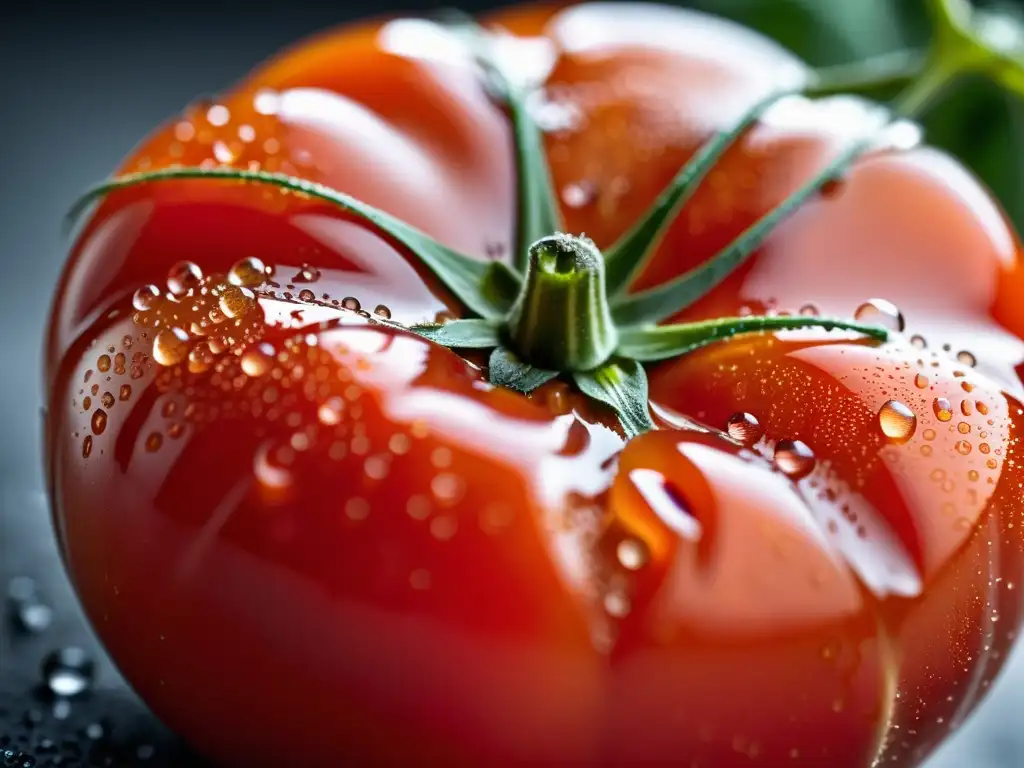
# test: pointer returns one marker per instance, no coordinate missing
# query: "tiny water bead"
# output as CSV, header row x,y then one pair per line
x,y
880,312
68,672
794,458
632,554
145,298
170,346
966,358
381,310
249,272
306,295
183,277
918,341
744,428
897,421
943,409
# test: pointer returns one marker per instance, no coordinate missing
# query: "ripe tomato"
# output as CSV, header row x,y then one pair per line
x,y
285,520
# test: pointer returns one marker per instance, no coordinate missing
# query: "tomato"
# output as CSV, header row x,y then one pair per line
x,y
289,520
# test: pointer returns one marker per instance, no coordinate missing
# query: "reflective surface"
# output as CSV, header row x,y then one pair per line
x,y
828,581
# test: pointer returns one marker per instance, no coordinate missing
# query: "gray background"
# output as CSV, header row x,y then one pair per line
x,y
78,88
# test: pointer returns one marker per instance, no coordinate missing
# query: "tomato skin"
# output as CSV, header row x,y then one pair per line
x,y
557,597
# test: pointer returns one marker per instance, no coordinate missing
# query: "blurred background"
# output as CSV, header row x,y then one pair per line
x,y
79,86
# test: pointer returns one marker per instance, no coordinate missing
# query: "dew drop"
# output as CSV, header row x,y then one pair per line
x,y
307,274
921,381
963,428
306,295
87,447
617,604
744,428
351,303
103,363
99,421
126,392
68,672
200,358
258,360
880,312
794,458
918,341
170,346
381,310
145,298
579,194
809,310
632,554
330,412
247,273
235,301
897,421
966,358
943,410
218,115
962,447
154,441
107,400
183,277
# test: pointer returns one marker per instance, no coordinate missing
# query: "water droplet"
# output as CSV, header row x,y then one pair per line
x,y
632,554
99,421
897,421
125,393
218,115
107,400
170,346
183,277
918,341
617,604
307,274
200,358
306,295
86,403
145,297
921,381
154,441
963,428
248,272
966,358
794,458
103,363
579,194
258,360
381,310
235,301
87,447
351,303
962,447
880,312
68,672
744,428
330,412
809,310
943,410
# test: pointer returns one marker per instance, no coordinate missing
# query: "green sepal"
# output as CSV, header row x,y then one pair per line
x,y
666,341
461,334
462,275
506,370
631,253
621,384
663,301
538,211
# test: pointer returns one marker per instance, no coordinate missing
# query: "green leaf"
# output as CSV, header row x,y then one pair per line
x,y
631,253
538,214
461,334
663,301
621,384
506,370
667,341
462,275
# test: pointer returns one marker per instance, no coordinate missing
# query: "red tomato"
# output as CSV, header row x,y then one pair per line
x,y
307,538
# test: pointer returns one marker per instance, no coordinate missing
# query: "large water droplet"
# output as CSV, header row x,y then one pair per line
x,y
99,421
68,672
794,458
897,421
183,277
880,312
170,346
145,297
744,428
249,272
235,301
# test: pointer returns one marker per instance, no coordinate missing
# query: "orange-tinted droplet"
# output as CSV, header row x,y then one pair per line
x,y
170,346
966,358
103,363
235,301
145,297
921,381
126,392
87,447
962,447
99,421
258,360
248,272
744,428
183,277
154,441
897,421
794,458
880,312
943,410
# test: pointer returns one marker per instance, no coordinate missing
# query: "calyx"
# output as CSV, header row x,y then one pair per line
x,y
562,307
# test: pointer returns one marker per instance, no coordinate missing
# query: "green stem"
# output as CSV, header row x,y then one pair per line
x,y
915,100
897,69
561,320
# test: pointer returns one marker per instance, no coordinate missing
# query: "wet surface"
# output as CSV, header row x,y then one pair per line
x,y
77,109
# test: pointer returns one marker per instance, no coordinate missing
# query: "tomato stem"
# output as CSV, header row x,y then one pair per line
x,y
562,320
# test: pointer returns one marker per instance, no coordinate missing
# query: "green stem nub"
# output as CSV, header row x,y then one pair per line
x,y
561,320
